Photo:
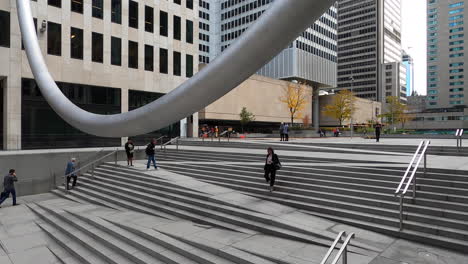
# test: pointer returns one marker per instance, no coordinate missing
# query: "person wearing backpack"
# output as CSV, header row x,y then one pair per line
x,y
150,152
272,164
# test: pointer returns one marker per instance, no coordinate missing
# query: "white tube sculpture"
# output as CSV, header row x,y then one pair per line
x,y
275,29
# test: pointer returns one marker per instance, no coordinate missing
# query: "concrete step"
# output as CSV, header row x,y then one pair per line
x,y
124,250
95,252
354,199
63,194
199,211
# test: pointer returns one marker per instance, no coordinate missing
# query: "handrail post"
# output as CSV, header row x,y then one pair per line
x,y
344,257
177,144
115,158
425,163
401,212
92,171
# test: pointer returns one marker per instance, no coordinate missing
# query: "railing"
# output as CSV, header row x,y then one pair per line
x,y
343,251
419,155
160,138
92,164
176,140
459,136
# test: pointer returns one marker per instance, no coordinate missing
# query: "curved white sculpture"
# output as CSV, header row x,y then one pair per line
x,y
276,28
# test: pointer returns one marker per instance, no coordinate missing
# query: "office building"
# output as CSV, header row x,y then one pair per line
x,y
311,58
106,56
446,42
408,62
369,49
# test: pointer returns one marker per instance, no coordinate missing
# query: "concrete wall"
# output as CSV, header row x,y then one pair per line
x,y
365,110
260,95
39,171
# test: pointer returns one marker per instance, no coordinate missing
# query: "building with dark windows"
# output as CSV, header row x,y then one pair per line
x,y
446,42
106,56
369,49
408,62
311,58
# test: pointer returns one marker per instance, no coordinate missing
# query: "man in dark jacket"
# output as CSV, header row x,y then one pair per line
x,y
378,130
70,173
150,152
9,187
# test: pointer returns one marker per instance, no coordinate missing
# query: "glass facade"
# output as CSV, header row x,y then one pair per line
x,y
138,99
41,127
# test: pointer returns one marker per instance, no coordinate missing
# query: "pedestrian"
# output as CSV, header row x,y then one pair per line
x,y
216,131
150,152
9,187
334,132
378,130
70,173
281,131
286,132
272,164
129,149
337,132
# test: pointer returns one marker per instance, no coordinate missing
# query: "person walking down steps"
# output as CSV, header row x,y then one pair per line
x,y
129,149
9,187
150,152
272,164
70,173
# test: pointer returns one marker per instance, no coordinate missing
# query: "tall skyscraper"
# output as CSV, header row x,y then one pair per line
x,y
408,62
369,49
311,57
446,57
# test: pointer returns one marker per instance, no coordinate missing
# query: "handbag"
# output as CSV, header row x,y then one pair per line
x,y
278,166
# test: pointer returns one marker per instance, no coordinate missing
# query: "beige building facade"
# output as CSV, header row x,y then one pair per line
x,y
364,111
130,51
261,96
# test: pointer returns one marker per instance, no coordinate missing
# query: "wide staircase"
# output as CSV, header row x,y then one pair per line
x,y
357,195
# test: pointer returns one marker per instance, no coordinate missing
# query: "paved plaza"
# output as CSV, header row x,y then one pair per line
x,y
138,215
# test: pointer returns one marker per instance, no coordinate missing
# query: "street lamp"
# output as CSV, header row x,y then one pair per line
x,y
351,78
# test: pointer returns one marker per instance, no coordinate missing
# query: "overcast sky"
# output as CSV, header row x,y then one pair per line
x,y
414,38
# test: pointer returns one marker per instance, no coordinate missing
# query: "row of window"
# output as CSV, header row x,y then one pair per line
x,y
54,47
243,9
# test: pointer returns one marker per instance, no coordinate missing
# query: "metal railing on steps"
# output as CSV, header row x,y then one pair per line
x,y
343,250
170,142
459,136
402,188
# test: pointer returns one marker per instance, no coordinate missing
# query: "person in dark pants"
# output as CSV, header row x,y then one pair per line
x,y
272,164
70,173
150,152
281,131
9,187
286,132
378,130
129,149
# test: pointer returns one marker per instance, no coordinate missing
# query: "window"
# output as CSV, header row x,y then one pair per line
x,y
163,61
451,12
177,63
77,6
116,51
149,58
76,47
190,4
116,10
98,9
163,28
456,5
54,39
177,26
177,2
133,14
189,31
132,54
149,19
97,50
188,65
56,3
4,29
456,64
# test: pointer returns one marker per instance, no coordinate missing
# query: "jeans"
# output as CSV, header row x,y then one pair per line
x,y
151,159
6,194
270,174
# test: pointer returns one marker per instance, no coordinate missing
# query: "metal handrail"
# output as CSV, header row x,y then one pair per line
x,y
343,251
176,139
160,138
422,154
90,164
459,136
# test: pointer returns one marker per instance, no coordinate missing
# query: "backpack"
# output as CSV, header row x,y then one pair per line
x,y
149,150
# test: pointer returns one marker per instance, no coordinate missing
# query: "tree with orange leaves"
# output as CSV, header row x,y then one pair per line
x,y
295,97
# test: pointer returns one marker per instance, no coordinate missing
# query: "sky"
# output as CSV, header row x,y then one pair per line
x,y
414,39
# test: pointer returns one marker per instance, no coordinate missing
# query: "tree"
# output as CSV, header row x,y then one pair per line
x,y
396,112
342,106
295,97
245,117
